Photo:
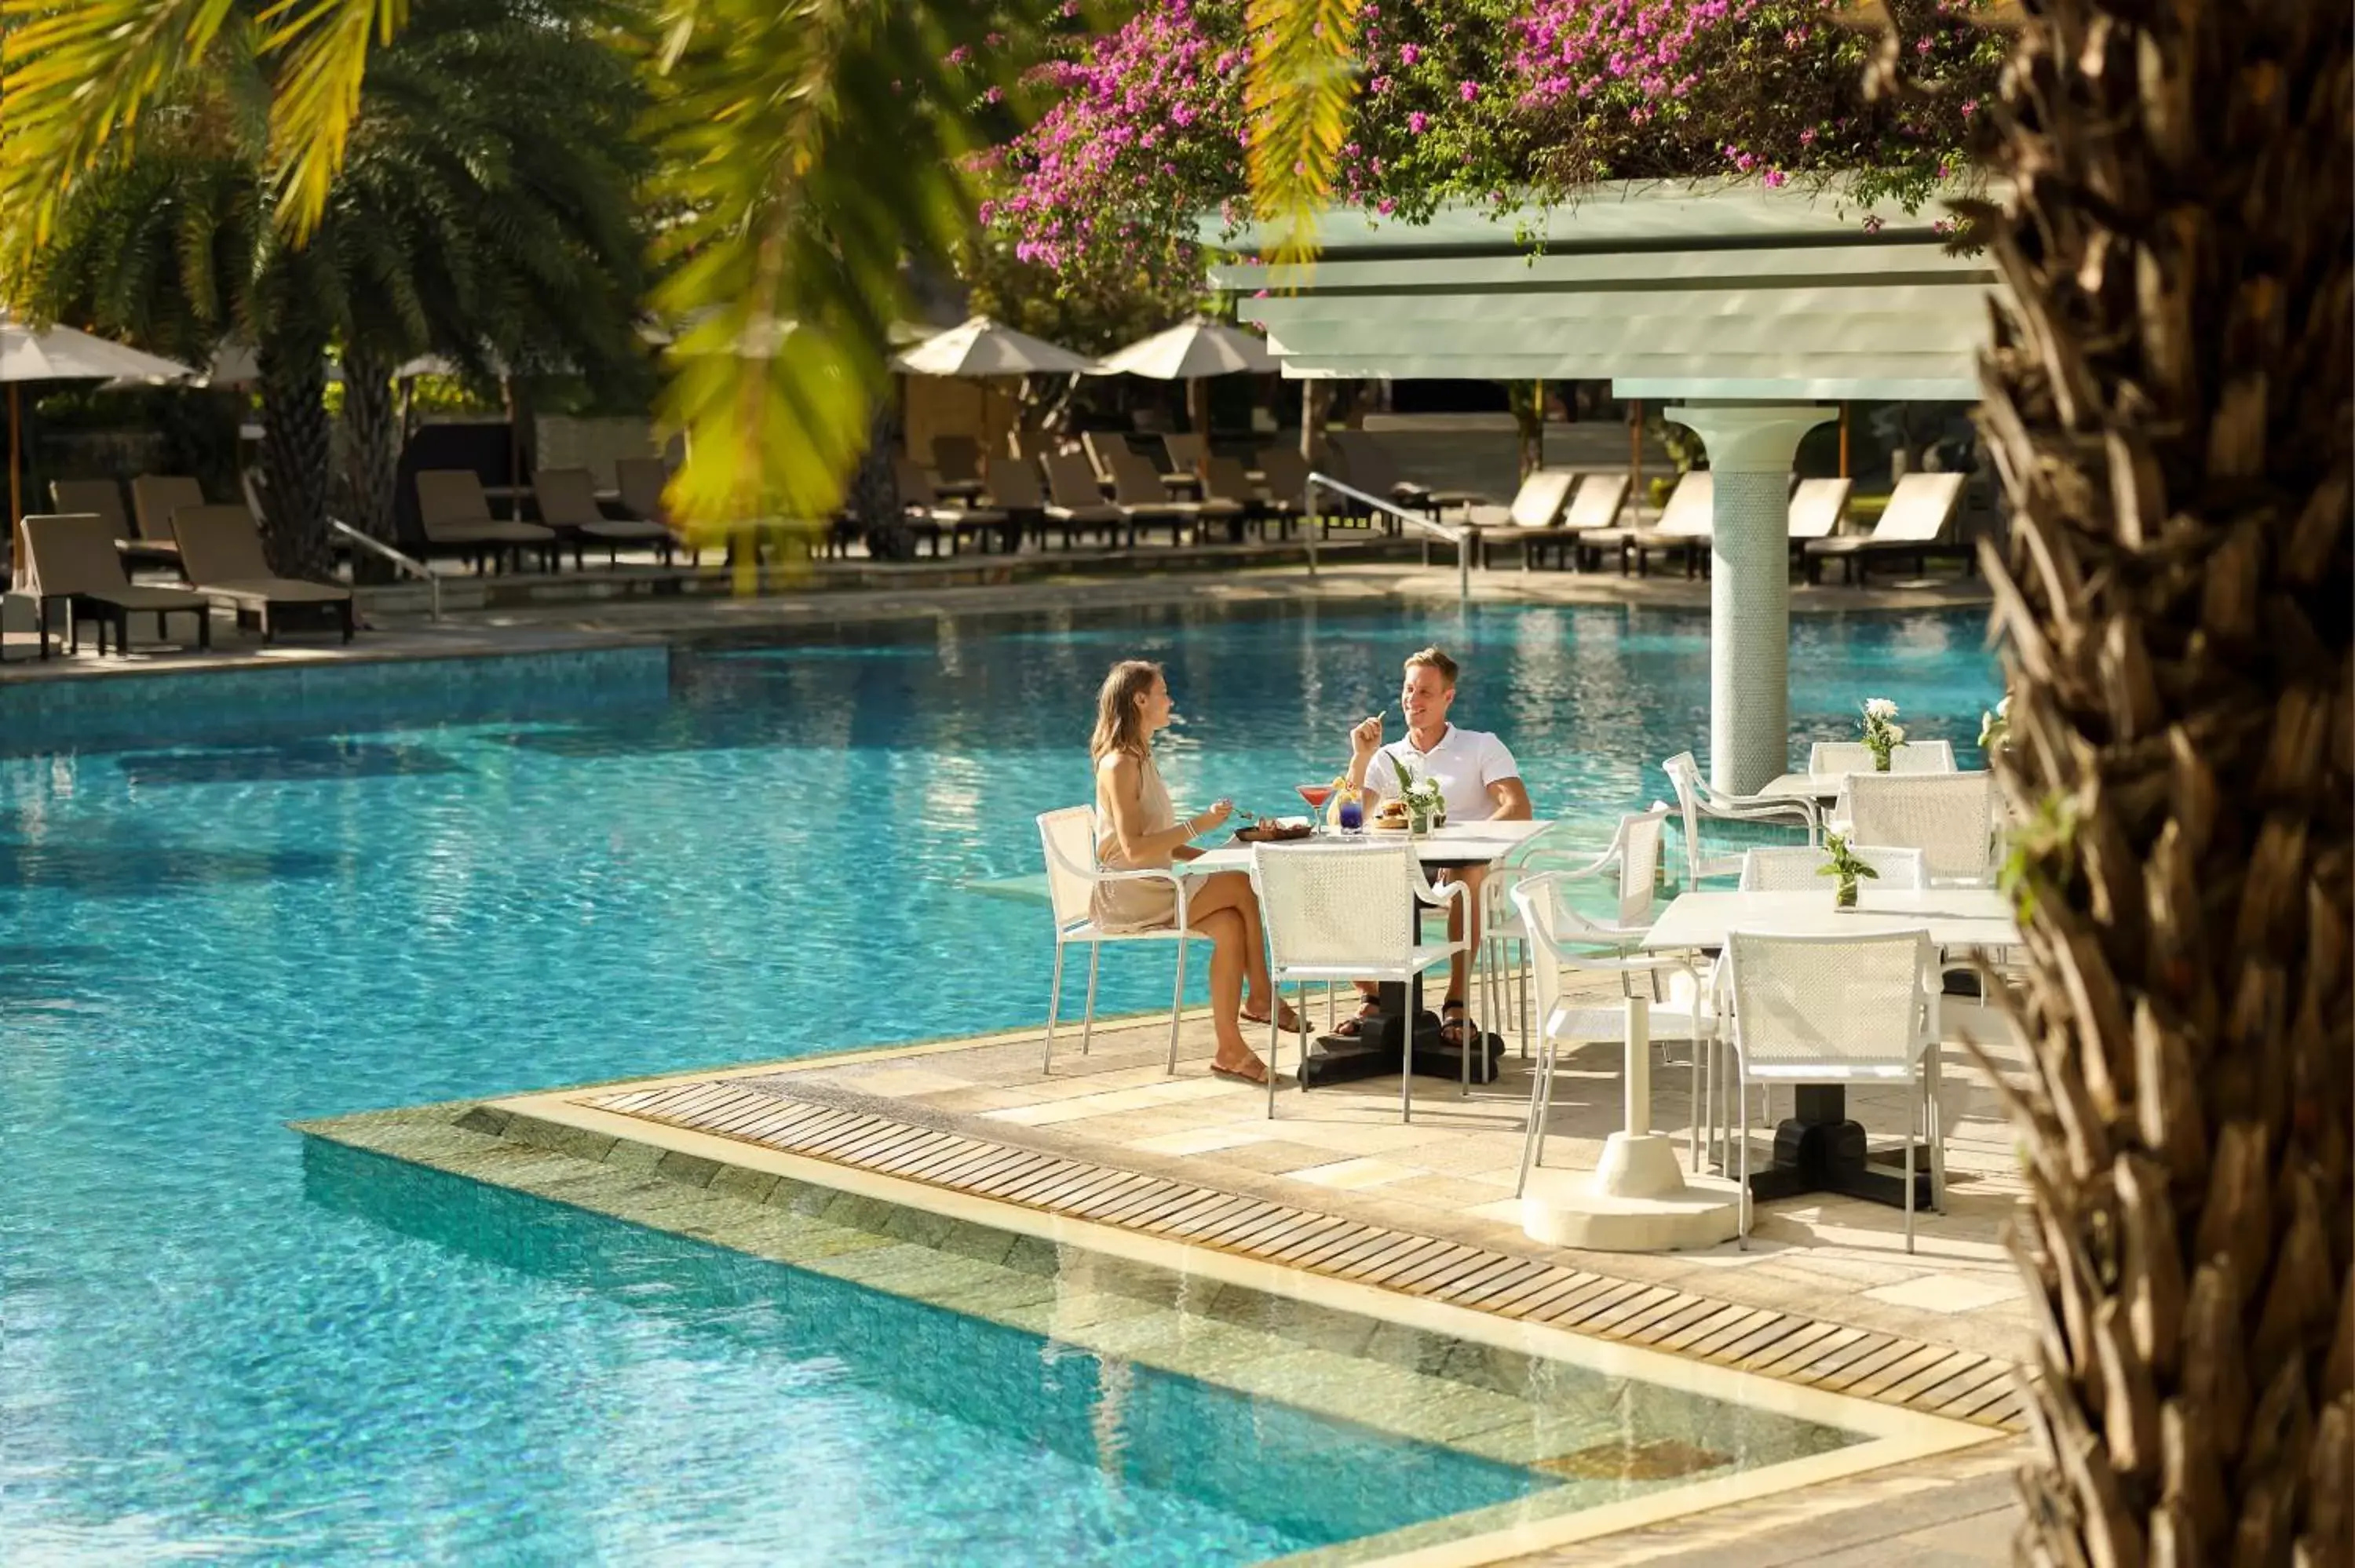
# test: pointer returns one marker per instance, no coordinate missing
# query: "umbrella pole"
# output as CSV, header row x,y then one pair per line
x,y
15,484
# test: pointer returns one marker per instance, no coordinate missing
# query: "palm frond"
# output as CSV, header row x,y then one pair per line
x,y
71,78
326,45
813,149
1302,78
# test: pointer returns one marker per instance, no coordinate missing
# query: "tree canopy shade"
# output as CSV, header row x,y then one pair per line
x,y
1505,102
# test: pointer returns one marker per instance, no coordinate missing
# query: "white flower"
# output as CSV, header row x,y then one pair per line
x,y
1896,735
1879,708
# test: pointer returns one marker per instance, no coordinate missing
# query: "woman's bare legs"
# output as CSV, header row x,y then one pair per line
x,y
1224,908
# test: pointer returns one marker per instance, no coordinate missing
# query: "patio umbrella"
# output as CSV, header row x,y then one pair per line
x,y
982,350
1190,352
60,353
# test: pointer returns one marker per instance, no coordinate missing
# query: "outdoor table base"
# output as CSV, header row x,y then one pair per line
x,y
1818,1149
1377,1050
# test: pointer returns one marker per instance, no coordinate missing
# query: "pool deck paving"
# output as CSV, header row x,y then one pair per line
x,y
1337,1189
579,610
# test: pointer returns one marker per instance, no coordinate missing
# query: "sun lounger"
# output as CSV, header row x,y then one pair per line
x,y
1227,485
1535,512
1913,526
1594,511
1137,486
1683,530
956,467
1365,464
1283,475
1186,451
1076,504
925,507
457,519
220,551
103,498
567,503
153,498
1011,485
73,559
1817,507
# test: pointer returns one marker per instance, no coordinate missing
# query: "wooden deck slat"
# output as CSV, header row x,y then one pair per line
x,y
1928,1393
1863,1367
1789,1357
1541,1299
1766,1336
1637,1326
1358,1236
1707,1346
1905,1369
1607,1321
1519,1274
1577,1315
1810,1335
1413,1253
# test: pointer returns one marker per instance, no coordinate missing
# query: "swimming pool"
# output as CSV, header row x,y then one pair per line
x,y
272,909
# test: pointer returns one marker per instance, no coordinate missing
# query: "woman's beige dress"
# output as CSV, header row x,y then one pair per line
x,y
1135,906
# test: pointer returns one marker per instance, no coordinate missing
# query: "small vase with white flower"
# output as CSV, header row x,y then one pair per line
x,y
1882,734
1426,804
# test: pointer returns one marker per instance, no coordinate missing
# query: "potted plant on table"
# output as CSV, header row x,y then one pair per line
x,y
1882,734
1844,865
1426,806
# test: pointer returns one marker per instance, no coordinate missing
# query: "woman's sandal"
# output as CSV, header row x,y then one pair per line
x,y
1290,1026
1257,1080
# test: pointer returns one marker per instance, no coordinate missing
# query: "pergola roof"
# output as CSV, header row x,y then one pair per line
x,y
1710,290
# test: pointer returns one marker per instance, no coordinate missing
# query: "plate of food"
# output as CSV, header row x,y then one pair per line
x,y
1274,830
1389,817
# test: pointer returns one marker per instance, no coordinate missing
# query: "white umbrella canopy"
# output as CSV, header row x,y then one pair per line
x,y
61,354
1191,350
982,347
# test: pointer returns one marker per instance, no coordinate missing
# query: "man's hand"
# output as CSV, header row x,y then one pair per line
x,y
1367,738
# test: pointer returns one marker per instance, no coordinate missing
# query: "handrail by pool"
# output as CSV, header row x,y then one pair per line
x,y
1459,537
407,564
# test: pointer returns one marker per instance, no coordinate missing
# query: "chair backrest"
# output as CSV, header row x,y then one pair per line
x,y
1135,481
640,480
1284,472
72,554
1920,508
220,544
1684,777
1335,905
1829,1001
448,497
1539,503
1012,484
1072,481
1639,842
156,496
1225,478
1365,462
1098,446
1691,505
1601,498
1949,816
1799,868
93,497
1185,450
915,485
1817,505
1068,838
956,457
1828,758
567,496
1561,937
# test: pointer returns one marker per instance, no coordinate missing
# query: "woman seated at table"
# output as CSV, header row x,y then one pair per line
x,y
1137,829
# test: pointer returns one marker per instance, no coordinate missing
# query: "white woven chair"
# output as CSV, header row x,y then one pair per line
x,y
1559,937
1697,799
1345,912
1798,869
1837,1009
1632,859
1835,757
1069,838
1949,816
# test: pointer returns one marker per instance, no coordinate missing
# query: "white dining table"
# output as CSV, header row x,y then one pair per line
x,y
1804,785
1382,1047
1819,1147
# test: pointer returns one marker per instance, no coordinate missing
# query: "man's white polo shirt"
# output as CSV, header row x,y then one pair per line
x,y
1466,762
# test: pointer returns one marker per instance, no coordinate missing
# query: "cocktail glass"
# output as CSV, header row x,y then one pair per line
x,y
1316,795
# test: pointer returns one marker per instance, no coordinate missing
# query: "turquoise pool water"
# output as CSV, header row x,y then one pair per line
x,y
224,914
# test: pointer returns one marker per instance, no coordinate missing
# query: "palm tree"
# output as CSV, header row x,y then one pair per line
x,y
472,219
2170,403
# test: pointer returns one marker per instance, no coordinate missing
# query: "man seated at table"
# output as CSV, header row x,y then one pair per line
x,y
1479,780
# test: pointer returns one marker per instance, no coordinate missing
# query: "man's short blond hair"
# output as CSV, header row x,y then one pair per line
x,y
1433,659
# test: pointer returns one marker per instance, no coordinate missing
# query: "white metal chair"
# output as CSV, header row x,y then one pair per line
x,y
1559,937
1949,816
1837,1009
1835,757
1633,858
1697,799
1069,838
1346,912
1798,868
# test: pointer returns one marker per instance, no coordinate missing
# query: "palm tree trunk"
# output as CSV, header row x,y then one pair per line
x,y
873,497
2169,405
297,450
371,458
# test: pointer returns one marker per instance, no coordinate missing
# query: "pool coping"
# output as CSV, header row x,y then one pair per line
x,y
557,1125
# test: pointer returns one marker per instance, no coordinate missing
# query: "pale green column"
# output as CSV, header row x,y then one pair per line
x,y
1749,451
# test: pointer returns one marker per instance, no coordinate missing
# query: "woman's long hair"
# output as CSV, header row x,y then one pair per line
x,y
1120,725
